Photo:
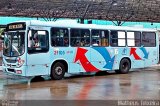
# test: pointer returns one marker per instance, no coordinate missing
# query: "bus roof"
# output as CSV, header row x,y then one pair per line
x,y
74,24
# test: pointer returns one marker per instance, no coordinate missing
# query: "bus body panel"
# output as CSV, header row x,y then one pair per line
x,y
68,54
152,57
84,59
93,58
100,56
37,64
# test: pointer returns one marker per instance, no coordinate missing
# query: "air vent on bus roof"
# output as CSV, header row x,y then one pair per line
x,y
136,26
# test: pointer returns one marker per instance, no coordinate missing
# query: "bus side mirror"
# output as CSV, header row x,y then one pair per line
x,y
29,35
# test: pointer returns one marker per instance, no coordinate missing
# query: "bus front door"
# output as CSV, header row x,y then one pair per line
x,y
38,53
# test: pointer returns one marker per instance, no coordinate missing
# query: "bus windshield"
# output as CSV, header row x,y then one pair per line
x,y
14,44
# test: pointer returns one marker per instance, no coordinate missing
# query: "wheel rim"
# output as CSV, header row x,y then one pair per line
x,y
125,66
58,70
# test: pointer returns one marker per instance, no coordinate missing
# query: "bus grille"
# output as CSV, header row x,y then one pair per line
x,y
10,61
11,70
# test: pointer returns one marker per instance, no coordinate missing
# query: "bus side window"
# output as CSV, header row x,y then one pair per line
x,y
114,38
133,38
95,37
121,38
59,37
38,41
75,36
118,38
100,37
85,37
104,38
33,39
148,39
80,37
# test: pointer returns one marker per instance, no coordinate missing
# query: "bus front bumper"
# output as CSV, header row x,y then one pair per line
x,y
14,71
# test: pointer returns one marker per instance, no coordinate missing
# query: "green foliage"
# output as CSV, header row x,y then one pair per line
x,y
1,31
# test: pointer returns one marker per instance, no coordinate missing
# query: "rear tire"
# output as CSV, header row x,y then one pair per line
x,y
57,71
124,67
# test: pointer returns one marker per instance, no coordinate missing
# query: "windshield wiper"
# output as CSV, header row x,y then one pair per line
x,y
15,48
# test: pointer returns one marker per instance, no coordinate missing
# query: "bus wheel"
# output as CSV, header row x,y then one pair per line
x,y
124,66
57,71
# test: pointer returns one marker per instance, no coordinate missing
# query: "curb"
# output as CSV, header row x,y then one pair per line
x,y
155,65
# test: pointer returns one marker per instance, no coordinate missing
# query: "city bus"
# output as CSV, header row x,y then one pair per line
x,y
38,48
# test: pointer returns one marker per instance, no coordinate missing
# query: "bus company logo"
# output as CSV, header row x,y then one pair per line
x,y
69,52
10,65
61,52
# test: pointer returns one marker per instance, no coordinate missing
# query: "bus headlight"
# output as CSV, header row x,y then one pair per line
x,y
20,62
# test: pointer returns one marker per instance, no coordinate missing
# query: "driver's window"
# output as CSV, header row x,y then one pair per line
x,y
38,41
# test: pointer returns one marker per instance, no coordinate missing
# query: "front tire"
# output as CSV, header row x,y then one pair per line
x,y
124,67
57,71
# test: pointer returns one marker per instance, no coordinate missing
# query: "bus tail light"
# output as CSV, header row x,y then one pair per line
x,y
19,71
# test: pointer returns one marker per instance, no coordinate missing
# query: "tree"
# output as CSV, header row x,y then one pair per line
x,y
1,32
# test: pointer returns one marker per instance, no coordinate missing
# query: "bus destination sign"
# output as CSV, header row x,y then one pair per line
x,y
16,26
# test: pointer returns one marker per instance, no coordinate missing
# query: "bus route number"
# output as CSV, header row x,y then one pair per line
x,y
56,52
